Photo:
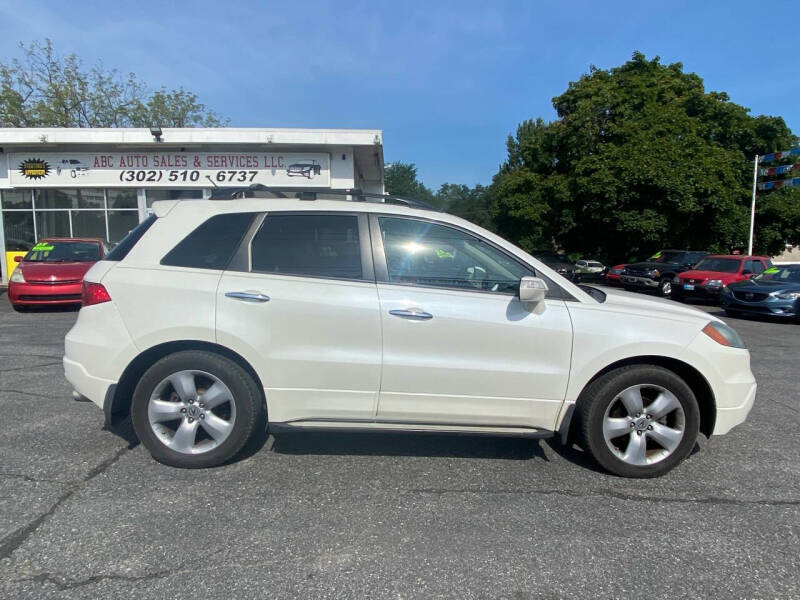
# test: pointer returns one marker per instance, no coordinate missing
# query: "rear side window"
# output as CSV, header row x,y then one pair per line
x,y
121,250
212,244
311,245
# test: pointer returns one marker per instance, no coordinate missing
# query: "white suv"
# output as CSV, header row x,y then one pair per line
x,y
214,317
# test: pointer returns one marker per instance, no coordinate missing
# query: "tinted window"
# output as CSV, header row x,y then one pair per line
x,y
423,253
311,245
212,244
121,250
721,265
757,267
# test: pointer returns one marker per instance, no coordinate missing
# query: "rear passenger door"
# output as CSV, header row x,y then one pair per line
x,y
299,302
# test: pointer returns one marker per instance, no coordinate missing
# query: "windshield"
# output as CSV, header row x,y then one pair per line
x,y
64,252
780,275
722,265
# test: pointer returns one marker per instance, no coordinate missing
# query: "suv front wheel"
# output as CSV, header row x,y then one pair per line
x,y
196,409
639,421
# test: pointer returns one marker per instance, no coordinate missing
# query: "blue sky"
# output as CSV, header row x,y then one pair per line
x,y
446,81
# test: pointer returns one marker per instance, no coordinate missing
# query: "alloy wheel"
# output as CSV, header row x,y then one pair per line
x,y
644,424
191,411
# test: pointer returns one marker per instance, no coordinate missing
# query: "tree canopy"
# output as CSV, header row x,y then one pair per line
x,y
45,89
642,157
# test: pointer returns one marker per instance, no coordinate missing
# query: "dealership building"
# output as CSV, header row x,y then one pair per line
x,y
100,183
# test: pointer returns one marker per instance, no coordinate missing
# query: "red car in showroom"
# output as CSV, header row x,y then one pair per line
x,y
706,280
51,273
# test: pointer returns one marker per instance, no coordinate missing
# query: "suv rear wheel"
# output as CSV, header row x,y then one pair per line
x,y
196,409
639,421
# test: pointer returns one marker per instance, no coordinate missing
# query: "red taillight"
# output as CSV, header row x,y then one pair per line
x,y
93,293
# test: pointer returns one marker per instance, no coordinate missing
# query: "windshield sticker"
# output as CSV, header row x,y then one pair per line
x,y
656,255
42,247
444,253
771,270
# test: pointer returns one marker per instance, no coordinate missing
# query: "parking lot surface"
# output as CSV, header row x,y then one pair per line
x,y
324,515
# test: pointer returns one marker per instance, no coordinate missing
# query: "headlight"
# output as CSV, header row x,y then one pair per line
x,y
723,334
714,283
676,279
654,273
788,295
16,276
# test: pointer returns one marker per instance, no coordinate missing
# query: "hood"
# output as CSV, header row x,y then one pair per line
x,y
54,271
649,306
703,275
765,286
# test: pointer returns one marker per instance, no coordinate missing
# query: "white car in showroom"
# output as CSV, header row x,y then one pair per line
x,y
214,318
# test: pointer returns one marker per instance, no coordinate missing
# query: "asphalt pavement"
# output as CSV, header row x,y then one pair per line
x,y
324,515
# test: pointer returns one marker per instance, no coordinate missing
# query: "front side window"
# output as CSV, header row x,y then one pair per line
x,y
310,245
430,254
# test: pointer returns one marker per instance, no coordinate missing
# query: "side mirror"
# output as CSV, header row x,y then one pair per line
x,y
18,258
532,290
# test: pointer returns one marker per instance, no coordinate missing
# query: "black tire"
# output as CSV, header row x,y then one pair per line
x,y
248,399
665,287
597,397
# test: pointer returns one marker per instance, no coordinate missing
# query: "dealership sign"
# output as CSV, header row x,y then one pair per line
x,y
168,169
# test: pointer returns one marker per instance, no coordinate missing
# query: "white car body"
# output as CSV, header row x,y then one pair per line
x,y
328,353
589,266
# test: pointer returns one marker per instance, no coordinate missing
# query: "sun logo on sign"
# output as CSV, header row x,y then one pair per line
x,y
34,168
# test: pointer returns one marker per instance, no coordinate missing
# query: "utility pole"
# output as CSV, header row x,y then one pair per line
x,y
753,205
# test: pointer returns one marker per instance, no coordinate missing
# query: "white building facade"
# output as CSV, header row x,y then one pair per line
x,y
100,183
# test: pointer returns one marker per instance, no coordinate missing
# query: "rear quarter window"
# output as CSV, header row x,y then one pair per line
x,y
213,244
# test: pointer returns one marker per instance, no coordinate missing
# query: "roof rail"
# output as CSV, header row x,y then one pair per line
x,y
357,195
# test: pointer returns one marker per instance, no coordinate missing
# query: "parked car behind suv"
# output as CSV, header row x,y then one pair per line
x,y
213,317
710,275
774,293
559,263
51,273
656,273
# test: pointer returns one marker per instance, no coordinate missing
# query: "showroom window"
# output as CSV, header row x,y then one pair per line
x,y
30,215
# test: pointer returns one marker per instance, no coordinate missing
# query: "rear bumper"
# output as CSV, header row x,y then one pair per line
x,y
44,294
94,388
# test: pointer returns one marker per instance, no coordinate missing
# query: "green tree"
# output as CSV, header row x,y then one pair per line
x,y
473,204
44,89
400,179
641,157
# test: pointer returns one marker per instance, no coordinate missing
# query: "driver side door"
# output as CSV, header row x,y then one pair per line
x,y
459,347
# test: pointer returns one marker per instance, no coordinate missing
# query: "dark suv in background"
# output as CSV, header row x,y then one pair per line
x,y
656,273
559,263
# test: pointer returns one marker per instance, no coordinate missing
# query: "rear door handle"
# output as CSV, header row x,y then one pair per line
x,y
253,296
414,314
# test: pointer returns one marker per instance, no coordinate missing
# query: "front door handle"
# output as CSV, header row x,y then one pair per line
x,y
414,314
254,296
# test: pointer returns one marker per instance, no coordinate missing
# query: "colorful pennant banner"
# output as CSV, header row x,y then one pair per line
x,y
781,183
778,155
778,170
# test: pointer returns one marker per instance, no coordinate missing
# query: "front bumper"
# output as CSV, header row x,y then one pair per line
x,y
698,292
643,282
44,294
771,307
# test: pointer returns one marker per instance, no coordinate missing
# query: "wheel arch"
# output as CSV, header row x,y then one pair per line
x,y
118,403
694,379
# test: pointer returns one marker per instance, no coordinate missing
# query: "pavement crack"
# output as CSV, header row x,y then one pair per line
x,y
32,479
67,584
719,500
51,364
15,539
21,393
